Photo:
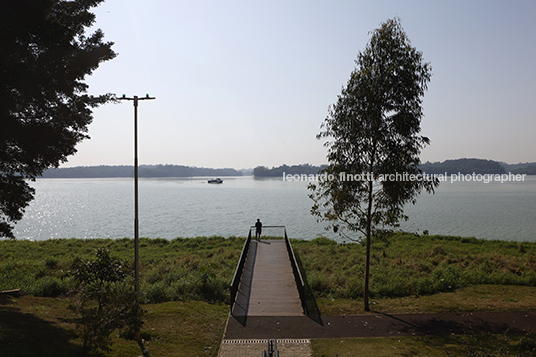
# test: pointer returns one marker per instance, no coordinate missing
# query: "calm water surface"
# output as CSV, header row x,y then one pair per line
x,y
177,207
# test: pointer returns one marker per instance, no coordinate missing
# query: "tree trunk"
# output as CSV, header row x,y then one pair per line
x,y
367,259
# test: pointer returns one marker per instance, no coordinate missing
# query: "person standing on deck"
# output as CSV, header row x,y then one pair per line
x,y
258,229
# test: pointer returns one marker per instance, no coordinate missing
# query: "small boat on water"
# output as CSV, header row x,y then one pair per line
x,y
218,180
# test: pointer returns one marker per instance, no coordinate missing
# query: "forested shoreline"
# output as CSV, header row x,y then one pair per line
x,y
450,167
143,171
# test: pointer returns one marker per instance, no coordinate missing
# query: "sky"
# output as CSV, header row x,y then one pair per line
x,y
241,84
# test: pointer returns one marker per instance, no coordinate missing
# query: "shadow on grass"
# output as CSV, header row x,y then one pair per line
x,y
25,335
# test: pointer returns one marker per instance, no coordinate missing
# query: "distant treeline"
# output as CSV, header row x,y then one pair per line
x,y
462,166
143,171
529,169
478,166
263,171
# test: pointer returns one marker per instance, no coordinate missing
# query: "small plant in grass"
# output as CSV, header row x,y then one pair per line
x,y
107,300
210,289
51,263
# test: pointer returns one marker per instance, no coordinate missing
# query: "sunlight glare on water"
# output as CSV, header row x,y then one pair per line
x,y
179,207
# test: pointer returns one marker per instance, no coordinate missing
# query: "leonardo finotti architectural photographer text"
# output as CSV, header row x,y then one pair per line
x,y
459,177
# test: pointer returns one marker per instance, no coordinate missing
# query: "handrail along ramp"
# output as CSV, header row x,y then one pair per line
x,y
239,269
297,274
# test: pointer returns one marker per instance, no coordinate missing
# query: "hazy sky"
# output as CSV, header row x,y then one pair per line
x,y
247,83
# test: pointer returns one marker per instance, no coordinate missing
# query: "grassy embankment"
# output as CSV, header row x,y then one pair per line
x,y
406,265
185,284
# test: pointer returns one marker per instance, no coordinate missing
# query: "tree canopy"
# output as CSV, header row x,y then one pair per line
x,y
45,55
373,131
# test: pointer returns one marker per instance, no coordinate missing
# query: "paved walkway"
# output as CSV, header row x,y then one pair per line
x,y
267,286
381,325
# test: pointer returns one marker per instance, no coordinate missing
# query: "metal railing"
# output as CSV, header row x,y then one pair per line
x,y
253,227
297,274
272,350
239,269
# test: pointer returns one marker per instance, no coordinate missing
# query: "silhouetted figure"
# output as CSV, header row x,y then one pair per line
x,y
258,229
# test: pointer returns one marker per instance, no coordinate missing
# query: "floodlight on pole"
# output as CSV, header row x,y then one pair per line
x,y
136,218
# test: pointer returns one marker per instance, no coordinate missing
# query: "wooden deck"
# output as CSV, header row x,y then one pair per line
x,y
267,286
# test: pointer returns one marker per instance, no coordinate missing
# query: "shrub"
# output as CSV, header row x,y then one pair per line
x,y
355,288
108,302
323,241
155,293
48,286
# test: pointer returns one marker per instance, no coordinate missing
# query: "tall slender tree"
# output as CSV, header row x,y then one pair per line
x,y
373,135
45,54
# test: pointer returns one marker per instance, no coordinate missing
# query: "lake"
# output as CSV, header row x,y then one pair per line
x,y
189,207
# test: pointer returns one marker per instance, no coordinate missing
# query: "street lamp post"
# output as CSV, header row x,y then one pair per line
x,y
136,220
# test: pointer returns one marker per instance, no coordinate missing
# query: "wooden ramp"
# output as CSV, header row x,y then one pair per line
x,y
267,285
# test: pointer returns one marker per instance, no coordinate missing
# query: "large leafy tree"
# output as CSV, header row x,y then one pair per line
x,y
45,54
373,134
